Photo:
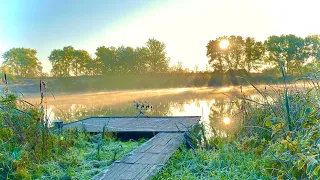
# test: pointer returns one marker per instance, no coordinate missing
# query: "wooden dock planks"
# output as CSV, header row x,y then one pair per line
x,y
144,161
151,156
134,124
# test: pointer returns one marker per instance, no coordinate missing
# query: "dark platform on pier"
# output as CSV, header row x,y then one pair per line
x,y
144,161
134,124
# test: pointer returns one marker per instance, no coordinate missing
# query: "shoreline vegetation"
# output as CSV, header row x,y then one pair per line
x,y
31,149
278,138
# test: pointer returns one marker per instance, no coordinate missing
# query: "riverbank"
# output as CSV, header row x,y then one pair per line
x,y
277,138
31,149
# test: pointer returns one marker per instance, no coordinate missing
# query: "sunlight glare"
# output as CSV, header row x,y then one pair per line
x,y
226,120
225,89
224,44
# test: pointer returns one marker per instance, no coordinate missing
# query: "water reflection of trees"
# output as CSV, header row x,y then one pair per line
x,y
80,111
222,108
162,106
232,107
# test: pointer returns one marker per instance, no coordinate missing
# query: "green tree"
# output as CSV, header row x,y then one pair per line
x,y
93,67
55,59
61,60
107,59
313,47
236,52
231,58
313,50
218,57
22,62
69,61
287,49
126,59
142,57
254,52
81,63
158,62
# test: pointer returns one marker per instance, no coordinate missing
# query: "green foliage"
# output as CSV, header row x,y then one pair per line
x,y
287,49
107,59
279,137
241,54
292,122
121,60
228,162
218,57
294,52
69,61
83,159
21,62
30,149
253,52
158,62
82,63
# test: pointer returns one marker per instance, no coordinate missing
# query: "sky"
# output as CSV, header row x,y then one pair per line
x,y
185,26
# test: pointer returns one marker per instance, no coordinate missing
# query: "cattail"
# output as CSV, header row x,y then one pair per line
x,y
5,79
6,83
44,85
41,94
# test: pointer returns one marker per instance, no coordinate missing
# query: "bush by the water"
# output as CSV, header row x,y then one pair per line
x,y
279,137
30,149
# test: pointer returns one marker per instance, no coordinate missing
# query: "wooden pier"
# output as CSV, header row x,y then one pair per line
x,y
134,124
152,155
144,161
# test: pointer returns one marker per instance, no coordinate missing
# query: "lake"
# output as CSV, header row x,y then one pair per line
x,y
215,105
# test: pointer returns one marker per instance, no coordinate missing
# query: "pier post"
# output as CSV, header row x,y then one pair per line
x,y
58,125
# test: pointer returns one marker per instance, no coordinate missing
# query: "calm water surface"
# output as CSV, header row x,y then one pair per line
x,y
213,104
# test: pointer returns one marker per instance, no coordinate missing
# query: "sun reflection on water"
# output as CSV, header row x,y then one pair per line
x,y
226,120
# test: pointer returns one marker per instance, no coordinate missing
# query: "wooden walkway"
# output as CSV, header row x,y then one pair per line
x,y
151,156
134,124
144,161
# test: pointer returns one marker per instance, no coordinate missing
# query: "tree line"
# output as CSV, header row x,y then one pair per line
x,y
242,54
69,61
289,51
151,58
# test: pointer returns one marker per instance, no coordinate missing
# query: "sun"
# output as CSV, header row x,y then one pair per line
x,y
224,44
226,120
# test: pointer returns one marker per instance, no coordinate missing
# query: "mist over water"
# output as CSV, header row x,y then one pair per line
x,y
213,104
